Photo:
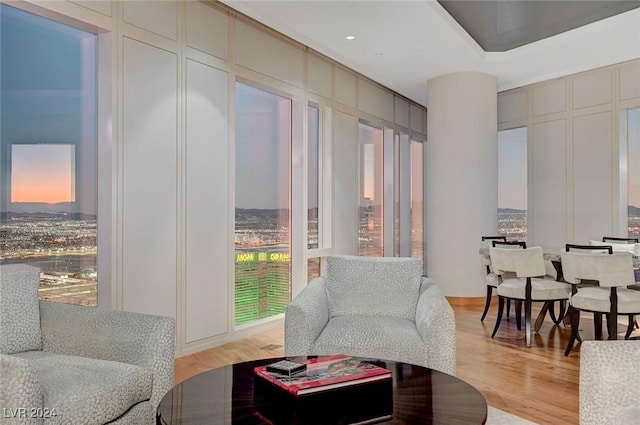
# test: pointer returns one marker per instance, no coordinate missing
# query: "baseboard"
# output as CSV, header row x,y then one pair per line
x,y
467,301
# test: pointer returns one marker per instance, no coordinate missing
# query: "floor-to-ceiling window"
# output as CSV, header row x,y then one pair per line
x,y
262,204
370,240
48,153
512,183
633,173
318,191
417,200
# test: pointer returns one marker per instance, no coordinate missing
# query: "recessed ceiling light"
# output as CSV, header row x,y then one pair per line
x,y
379,55
351,37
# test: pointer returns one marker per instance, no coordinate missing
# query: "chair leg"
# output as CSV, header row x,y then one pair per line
x,y
487,303
612,326
527,321
597,325
630,326
499,316
519,314
574,315
508,307
562,305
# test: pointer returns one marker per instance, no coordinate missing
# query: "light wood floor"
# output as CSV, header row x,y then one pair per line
x,y
537,383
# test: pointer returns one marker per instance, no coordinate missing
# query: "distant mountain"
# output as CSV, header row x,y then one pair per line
x,y
511,211
634,211
33,207
261,213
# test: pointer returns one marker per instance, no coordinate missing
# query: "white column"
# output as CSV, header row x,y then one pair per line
x,y
462,175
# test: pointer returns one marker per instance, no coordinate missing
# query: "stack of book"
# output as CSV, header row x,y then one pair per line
x,y
321,374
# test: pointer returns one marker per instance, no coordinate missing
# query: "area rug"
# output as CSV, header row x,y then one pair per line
x,y
500,417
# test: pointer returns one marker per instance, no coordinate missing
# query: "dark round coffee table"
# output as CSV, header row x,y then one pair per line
x,y
234,395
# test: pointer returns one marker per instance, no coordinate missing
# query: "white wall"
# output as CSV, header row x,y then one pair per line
x,y
574,146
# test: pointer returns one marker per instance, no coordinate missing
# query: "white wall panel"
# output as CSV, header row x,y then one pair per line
x,y
100,6
319,78
591,89
345,183
345,87
630,80
549,98
512,106
417,119
264,53
548,211
593,176
207,29
157,16
401,112
374,100
207,211
149,188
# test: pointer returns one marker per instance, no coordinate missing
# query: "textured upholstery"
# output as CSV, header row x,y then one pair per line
x,y
609,382
19,310
385,286
426,340
93,366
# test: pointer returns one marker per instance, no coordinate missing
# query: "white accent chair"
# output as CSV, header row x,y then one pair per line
x,y
529,286
375,307
609,382
71,364
611,297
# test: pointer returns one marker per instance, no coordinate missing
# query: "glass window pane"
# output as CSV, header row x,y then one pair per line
x,y
512,183
371,188
314,179
313,268
633,177
48,151
417,201
263,140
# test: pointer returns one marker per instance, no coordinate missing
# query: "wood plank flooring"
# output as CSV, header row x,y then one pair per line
x,y
537,383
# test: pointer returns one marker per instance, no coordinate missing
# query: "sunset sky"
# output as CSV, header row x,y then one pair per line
x,y
42,173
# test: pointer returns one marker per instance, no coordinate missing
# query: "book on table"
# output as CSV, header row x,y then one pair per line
x,y
326,373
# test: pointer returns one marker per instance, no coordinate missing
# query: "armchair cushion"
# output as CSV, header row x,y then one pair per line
x,y
384,286
84,390
19,309
384,337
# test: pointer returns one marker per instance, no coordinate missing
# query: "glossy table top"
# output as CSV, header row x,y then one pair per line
x,y
234,395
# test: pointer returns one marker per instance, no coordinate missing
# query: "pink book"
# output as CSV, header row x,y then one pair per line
x,y
325,373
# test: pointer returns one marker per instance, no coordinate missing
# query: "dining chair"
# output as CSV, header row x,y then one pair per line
x,y
491,279
613,272
626,244
528,286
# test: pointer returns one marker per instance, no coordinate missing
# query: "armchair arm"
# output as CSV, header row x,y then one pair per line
x,y
140,339
436,325
20,392
305,318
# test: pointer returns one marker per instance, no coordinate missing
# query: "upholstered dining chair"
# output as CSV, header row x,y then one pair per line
x,y
528,286
491,279
609,382
613,272
626,245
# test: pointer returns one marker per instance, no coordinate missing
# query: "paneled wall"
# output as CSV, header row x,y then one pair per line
x,y
574,145
167,102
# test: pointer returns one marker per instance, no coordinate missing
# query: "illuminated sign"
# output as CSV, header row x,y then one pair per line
x,y
246,257
252,257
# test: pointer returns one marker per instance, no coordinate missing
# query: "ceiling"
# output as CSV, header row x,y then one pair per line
x,y
403,44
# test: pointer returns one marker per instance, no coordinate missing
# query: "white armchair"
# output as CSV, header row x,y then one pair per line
x,y
70,364
609,382
373,307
